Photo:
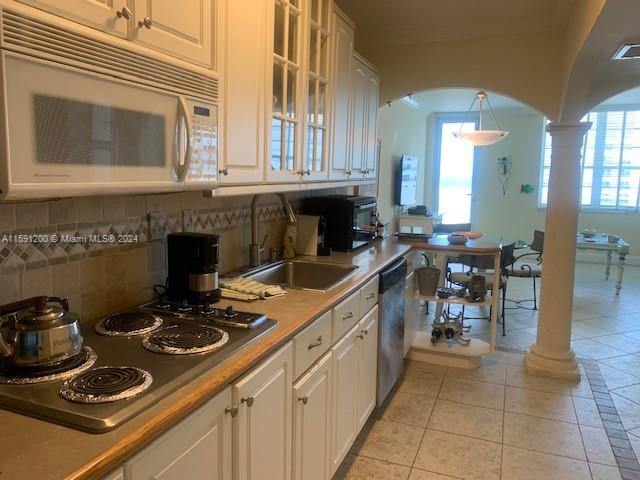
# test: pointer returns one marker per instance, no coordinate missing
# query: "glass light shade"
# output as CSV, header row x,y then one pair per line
x,y
482,137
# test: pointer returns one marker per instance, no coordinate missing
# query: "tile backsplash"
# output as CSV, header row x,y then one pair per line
x,y
98,252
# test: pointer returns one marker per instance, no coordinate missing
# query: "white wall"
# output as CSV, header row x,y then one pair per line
x,y
402,130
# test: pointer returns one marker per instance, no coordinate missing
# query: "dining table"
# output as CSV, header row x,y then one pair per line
x,y
609,244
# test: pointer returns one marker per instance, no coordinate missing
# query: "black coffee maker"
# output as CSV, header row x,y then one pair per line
x,y
192,275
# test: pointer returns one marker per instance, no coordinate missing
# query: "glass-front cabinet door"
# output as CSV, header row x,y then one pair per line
x,y
297,137
285,147
315,151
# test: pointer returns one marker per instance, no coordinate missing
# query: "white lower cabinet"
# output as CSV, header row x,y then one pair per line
x,y
345,378
312,422
262,427
265,426
117,474
197,448
367,355
355,369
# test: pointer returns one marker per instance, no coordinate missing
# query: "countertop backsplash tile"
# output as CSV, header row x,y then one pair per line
x,y
102,277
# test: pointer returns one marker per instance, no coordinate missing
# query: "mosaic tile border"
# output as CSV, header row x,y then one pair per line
x,y
618,438
623,452
31,248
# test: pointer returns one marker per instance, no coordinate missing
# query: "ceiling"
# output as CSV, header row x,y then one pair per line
x,y
418,21
459,100
630,97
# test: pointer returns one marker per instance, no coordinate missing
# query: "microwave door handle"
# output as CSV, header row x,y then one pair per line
x,y
184,161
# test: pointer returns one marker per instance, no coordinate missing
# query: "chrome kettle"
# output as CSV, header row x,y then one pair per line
x,y
34,333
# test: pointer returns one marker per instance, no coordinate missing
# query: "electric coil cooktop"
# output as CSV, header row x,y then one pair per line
x,y
130,361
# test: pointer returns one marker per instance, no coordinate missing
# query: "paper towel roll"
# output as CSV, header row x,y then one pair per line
x,y
307,241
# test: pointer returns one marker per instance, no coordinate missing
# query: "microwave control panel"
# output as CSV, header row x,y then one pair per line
x,y
204,143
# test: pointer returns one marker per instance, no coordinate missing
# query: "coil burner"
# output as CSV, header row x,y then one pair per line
x,y
48,373
185,339
106,384
128,324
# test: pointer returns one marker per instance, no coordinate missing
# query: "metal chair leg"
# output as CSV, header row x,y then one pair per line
x,y
504,298
535,297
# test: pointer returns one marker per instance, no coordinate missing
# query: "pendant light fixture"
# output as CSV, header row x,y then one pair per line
x,y
481,137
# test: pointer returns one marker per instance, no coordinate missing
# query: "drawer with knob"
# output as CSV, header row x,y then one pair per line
x,y
311,343
345,315
369,295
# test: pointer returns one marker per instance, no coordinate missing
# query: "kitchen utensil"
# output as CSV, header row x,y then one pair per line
x,y
428,278
34,333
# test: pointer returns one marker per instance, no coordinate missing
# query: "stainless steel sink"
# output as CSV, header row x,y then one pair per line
x,y
302,275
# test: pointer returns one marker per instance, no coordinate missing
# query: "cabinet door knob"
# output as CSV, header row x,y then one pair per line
x,y
248,401
146,22
233,410
304,400
224,171
360,336
124,13
370,296
307,172
347,172
347,316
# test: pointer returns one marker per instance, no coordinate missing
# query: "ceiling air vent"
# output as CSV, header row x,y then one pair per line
x,y
627,51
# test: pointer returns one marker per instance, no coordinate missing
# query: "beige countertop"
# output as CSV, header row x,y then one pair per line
x,y
36,449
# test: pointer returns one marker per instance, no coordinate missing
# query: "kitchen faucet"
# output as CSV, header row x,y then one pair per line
x,y
255,248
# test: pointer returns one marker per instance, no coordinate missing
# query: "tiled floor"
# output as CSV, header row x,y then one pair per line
x,y
495,422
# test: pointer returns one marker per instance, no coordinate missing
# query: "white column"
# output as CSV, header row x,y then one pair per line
x,y
551,355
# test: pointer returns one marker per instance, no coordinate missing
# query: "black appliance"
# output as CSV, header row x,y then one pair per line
x,y
350,220
192,275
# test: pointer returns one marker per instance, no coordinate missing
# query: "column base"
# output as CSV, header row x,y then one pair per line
x,y
544,364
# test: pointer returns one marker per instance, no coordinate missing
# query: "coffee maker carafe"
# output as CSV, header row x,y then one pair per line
x,y
192,274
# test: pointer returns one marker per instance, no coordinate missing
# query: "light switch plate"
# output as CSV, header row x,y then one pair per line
x,y
157,226
187,220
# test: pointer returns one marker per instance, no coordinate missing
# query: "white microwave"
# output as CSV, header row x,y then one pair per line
x,y
83,116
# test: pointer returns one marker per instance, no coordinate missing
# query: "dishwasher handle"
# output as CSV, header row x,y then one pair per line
x,y
392,275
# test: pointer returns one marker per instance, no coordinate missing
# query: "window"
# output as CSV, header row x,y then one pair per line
x,y
610,164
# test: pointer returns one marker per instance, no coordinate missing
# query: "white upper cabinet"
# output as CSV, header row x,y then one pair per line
x,y
285,84
262,430
364,144
182,29
371,153
245,61
299,85
318,73
109,16
359,118
198,448
342,98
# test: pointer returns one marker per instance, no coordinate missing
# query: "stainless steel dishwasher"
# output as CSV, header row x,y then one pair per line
x,y
391,327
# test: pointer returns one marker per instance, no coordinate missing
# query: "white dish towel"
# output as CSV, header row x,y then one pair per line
x,y
251,287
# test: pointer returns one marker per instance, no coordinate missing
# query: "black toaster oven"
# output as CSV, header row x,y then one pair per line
x,y
350,219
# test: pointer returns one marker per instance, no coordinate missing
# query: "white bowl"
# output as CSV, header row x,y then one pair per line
x,y
455,239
